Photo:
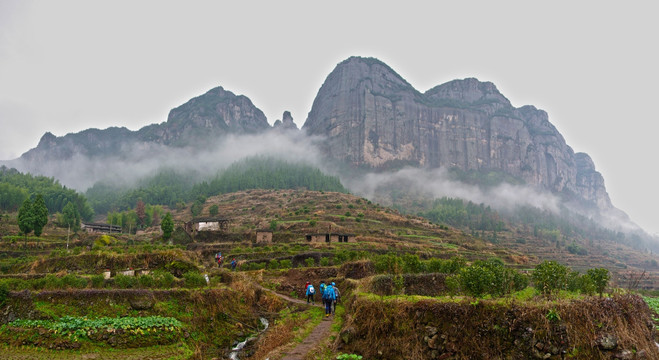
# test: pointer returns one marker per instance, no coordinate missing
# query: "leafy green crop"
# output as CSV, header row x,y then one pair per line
x,y
76,327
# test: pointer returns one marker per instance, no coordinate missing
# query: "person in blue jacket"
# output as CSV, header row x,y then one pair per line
x,y
310,292
328,298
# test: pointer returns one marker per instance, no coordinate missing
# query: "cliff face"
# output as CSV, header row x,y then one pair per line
x,y
371,117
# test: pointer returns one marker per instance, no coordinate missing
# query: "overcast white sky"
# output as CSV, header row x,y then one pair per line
x,y
70,65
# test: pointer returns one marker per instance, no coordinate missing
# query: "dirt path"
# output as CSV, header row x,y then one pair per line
x,y
318,334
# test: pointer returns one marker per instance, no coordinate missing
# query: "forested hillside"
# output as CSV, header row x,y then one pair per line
x,y
171,187
15,187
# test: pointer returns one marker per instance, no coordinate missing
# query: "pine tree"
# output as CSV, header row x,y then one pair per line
x,y
39,215
167,225
25,223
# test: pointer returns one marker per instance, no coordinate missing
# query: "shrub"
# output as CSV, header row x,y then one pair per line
x,y
4,292
125,281
310,261
600,278
273,264
312,222
324,261
146,281
163,279
412,264
194,279
550,276
72,281
97,281
476,280
286,264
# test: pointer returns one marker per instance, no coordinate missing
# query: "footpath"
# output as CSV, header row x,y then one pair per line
x,y
319,333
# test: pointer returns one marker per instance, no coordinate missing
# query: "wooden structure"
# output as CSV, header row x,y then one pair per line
x,y
263,236
330,237
100,228
206,224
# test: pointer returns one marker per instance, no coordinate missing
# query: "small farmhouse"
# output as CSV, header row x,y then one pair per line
x,y
100,228
330,237
263,236
206,224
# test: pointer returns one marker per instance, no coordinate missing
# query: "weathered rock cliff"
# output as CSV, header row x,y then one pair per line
x,y
371,117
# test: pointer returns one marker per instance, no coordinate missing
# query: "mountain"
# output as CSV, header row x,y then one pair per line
x,y
372,118
197,123
367,116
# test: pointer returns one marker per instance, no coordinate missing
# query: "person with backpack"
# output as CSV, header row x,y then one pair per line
x,y
233,264
219,258
328,298
322,288
337,296
310,293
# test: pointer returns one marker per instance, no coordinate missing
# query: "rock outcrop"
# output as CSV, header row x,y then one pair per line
x,y
286,123
371,117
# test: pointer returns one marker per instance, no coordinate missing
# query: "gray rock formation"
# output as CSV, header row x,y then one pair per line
x,y
371,117
287,123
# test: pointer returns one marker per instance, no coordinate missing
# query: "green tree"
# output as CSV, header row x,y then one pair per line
x,y
167,226
39,215
196,208
600,278
70,217
25,222
550,276
213,210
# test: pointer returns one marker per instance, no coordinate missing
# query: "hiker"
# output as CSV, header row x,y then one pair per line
x,y
219,258
310,291
337,295
328,298
233,264
322,288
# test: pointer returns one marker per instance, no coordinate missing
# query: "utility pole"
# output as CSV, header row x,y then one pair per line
x,y
68,231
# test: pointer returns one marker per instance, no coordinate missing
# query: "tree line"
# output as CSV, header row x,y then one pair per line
x,y
16,188
171,188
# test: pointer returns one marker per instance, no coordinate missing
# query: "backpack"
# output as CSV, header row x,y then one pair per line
x,y
311,289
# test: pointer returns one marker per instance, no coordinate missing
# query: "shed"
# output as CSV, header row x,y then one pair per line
x,y
100,228
330,237
263,236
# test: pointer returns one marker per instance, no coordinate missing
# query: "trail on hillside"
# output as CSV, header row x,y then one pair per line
x,y
317,335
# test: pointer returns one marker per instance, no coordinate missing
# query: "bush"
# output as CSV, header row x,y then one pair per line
x,y
194,279
72,281
476,280
600,278
285,264
550,276
163,279
4,292
97,281
146,281
273,264
324,261
388,263
125,281
310,261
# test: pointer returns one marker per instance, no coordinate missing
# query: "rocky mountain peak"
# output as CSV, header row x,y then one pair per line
x,y
286,122
371,117
469,90
48,139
